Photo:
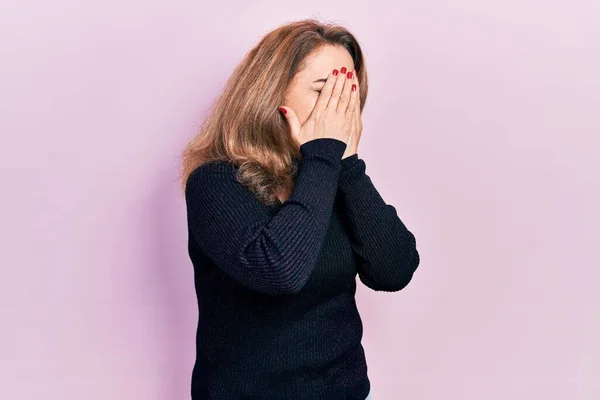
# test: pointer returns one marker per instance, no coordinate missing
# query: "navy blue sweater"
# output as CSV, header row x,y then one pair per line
x,y
276,284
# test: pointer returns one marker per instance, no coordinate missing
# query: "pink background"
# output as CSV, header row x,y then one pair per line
x,y
481,127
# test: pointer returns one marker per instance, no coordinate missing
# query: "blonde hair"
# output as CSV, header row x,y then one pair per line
x,y
244,127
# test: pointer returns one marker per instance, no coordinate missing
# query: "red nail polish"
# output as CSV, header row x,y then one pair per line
x,y
354,87
349,75
282,110
343,70
335,72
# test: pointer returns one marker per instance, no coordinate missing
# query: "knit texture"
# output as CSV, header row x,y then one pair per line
x,y
276,284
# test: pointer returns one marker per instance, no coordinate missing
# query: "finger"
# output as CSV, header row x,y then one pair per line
x,y
354,97
326,91
292,119
346,93
355,78
337,90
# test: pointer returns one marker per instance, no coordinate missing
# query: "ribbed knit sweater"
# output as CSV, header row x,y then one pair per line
x,y
276,284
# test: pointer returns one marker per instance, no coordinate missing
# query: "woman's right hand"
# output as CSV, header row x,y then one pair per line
x,y
333,112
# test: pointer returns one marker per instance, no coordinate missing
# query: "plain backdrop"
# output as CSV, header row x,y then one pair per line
x,y
481,127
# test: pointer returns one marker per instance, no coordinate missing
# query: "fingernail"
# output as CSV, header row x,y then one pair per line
x,y
354,87
335,72
349,75
343,70
282,110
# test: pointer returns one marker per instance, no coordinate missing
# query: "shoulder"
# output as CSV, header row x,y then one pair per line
x,y
214,179
214,187
211,171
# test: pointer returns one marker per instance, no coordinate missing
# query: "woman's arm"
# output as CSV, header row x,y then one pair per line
x,y
385,250
270,254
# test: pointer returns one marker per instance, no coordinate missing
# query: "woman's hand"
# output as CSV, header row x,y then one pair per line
x,y
356,130
333,114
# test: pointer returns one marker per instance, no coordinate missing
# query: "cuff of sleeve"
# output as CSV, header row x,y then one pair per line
x,y
353,169
348,162
323,147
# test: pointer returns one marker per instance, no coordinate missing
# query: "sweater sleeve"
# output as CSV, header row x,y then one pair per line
x,y
269,254
385,250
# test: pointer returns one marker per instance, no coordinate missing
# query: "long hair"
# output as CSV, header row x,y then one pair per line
x,y
244,127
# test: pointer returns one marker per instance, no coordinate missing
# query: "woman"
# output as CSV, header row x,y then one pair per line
x,y
282,218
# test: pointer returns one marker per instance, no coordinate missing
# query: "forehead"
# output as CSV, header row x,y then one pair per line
x,y
322,61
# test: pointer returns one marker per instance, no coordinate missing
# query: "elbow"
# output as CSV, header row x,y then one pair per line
x,y
409,262
273,271
291,284
399,283
409,266
283,287
276,287
388,285
291,275
291,289
283,279
400,273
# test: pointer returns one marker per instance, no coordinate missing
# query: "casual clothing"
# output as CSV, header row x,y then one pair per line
x,y
276,284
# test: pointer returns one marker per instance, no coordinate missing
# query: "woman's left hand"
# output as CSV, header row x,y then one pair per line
x,y
356,130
